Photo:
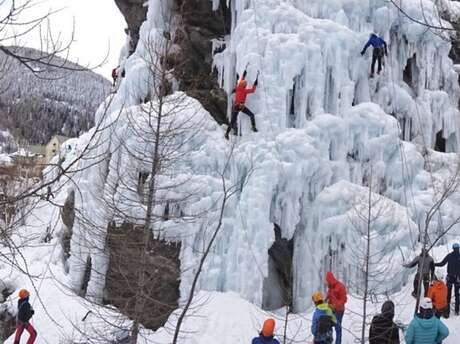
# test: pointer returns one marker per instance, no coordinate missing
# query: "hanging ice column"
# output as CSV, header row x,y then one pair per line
x,y
308,55
311,66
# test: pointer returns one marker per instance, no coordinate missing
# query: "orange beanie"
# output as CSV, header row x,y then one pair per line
x,y
23,293
269,328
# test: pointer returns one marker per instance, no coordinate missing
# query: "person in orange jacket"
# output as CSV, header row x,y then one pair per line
x,y
337,298
438,295
241,92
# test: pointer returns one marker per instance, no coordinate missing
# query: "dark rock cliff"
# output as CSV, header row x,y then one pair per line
x,y
135,14
192,64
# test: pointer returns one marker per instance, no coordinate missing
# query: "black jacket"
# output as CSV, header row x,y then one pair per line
x,y
25,310
383,330
453,263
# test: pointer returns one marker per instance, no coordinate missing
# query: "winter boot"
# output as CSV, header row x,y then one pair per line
x,y
254,129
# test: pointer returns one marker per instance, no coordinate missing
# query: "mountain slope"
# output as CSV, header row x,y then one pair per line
x,y
59,102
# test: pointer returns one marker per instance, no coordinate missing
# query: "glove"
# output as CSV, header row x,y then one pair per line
x,y
256,82
362,53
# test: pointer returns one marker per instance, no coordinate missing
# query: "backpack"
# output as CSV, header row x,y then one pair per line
x,y
325,325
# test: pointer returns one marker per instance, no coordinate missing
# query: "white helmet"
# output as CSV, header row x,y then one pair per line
x,y
426,303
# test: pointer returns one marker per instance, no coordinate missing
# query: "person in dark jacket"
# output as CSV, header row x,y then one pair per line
x,y
425,270
266,336
241,92
453,276
25,313
379,49
383,329
425,328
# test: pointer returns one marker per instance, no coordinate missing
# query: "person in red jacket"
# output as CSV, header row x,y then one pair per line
x,y
337,298
241,92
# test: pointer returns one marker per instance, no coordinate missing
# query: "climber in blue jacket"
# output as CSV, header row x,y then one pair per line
x,y
425,328
379,49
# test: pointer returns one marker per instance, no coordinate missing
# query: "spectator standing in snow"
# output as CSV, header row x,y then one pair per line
x,y
438,295
379,49
425,328
453,276
337,298
383,329
241,93
426,272
266,336
25,312
323,320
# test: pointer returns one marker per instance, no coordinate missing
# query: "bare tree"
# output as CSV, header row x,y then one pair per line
x,y
14,26
371,257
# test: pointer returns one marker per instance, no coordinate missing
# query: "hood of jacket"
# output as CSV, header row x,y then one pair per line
x,y
426,323
330,279
438,285
388,310
21,301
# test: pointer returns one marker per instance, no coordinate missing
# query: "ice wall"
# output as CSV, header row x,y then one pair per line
x,y
326,133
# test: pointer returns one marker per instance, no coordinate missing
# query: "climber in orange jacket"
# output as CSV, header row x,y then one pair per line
x,y
241,92
438,295
337,298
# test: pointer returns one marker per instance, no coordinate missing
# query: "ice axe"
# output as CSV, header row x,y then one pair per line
x,y
257,79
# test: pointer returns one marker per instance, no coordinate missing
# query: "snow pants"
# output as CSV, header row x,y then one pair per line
x,y
338,327
20,327
425,283
236,110
453,282
377,56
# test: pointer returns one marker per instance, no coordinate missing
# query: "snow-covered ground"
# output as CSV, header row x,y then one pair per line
x,y
326,134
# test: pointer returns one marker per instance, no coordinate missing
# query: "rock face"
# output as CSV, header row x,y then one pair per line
x,y
192,63
279,282
135,14
161,271
68,218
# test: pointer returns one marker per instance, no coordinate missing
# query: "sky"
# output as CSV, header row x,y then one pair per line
x,y
98,29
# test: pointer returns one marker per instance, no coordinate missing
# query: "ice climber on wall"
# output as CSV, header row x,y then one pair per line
x,y
323,320
453,276
266,336
241,92
337,298
425,328
25,312
379,50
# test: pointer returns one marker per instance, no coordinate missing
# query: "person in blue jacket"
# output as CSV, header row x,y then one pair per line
x,y
425,328
323,320
379,49
266,336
